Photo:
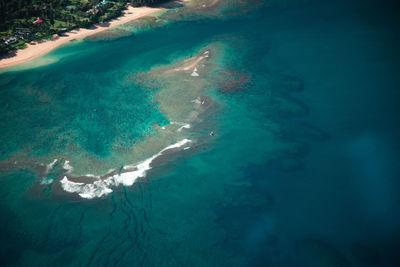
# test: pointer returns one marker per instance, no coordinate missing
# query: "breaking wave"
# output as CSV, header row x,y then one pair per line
x,y
127,176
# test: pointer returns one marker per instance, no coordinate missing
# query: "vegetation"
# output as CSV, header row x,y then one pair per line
x,y
24,21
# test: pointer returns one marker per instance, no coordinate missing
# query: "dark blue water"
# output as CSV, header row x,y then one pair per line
x,y
346,194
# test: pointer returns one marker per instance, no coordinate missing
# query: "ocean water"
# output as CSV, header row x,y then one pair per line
x,y
242,133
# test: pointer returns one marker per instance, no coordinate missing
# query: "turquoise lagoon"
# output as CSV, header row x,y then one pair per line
x,y
242,133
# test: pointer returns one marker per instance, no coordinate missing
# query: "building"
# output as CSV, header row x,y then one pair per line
x,y
38,20
11,40
22,33
102,4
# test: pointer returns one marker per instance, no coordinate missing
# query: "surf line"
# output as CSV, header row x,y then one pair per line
x,y
129,174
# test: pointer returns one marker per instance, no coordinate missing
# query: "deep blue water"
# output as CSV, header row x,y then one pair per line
x,y
303,170
346,194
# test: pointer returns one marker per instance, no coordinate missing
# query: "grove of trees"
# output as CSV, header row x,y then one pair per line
x,y
58,16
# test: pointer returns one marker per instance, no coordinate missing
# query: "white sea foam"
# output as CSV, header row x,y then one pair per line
x,y
101,188
196,101
183,125
46,180
176,145
186,126
67,166
50,166
139,170
96,189
194,73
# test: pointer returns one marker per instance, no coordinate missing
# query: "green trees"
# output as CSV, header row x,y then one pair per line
x,y
58,16
146,2
3,49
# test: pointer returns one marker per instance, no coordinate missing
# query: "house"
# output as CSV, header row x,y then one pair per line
x,y
22,33
38,20
102,3
92,11
11,40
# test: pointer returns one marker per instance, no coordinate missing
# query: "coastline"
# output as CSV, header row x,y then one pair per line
x,y
38,49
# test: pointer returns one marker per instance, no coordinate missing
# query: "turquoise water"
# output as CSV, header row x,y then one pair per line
x,y
293,152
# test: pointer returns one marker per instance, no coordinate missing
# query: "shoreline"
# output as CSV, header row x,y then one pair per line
x,y
44,47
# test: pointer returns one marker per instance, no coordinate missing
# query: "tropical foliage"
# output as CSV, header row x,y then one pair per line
x,y
23,21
